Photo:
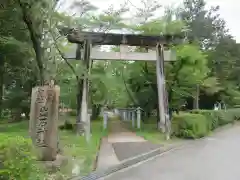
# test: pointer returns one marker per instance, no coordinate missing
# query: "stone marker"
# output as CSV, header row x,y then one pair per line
x,y
133,119
116,111
124,115
121,115
43,123
139,118
105,120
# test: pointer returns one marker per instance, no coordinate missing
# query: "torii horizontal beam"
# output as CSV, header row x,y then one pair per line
x,y
98,38
96,54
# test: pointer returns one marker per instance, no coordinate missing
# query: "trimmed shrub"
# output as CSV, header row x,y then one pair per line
x,y
213,117
220,117
235,113
198,123
189,125
17,160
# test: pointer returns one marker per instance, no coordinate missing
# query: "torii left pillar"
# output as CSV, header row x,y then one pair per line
x,y
85,120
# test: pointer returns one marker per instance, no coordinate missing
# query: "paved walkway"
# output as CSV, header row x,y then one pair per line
x,y
213,158
121,144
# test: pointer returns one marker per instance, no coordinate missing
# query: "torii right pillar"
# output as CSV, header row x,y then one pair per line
x,y
164,123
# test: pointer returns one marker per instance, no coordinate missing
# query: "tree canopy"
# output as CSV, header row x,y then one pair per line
x,y
32,47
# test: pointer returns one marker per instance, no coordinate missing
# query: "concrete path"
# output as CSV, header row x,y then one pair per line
x,y
121,144
213,158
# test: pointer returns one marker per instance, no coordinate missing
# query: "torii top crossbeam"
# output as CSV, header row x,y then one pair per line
x,y
97,38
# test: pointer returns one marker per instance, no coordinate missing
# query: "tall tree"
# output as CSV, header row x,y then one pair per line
x,y
204,26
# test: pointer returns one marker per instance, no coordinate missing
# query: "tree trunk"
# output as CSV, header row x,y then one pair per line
x,y
95,111
80,127
196,98
36,38
16,115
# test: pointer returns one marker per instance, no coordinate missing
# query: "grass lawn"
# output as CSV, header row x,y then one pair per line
x,y
72,145
150,132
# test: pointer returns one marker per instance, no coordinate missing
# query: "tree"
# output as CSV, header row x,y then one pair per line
x,y
204,27
87,20
189,69
16,58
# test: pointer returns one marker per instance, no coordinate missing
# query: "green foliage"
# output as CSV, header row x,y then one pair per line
x,y
188,125
231,95
212,117
189,70
220,117
73,113
199,123
17,160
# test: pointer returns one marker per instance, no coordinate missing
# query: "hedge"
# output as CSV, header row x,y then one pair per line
x,y
220,117
188,125
17,160
199,123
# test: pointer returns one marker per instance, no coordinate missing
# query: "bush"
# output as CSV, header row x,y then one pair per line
x,y
5,114
213,117
235,113
220,117
17,160
189,125
67,126
198,123
73,113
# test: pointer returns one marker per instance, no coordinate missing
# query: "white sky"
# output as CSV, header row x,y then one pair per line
x,y
229,10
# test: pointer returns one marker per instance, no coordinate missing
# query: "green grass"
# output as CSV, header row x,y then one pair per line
x,y
77,147
150,132
72,145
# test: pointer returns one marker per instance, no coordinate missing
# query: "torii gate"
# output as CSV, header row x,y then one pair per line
x,y
83,50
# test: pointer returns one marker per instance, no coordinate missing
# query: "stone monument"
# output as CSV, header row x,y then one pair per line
x,y
43,125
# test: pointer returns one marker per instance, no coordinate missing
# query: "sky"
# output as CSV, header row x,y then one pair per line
x,y
229,10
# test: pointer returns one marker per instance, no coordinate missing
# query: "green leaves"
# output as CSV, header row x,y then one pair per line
x,y
18,159
211,85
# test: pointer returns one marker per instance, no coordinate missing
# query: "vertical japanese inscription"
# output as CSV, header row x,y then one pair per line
x,y
41,126
42,118
40,96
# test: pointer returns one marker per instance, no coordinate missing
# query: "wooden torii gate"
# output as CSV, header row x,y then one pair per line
x,y
83,50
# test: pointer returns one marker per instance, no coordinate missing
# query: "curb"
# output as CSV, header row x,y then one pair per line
x,y
126,163
97,155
